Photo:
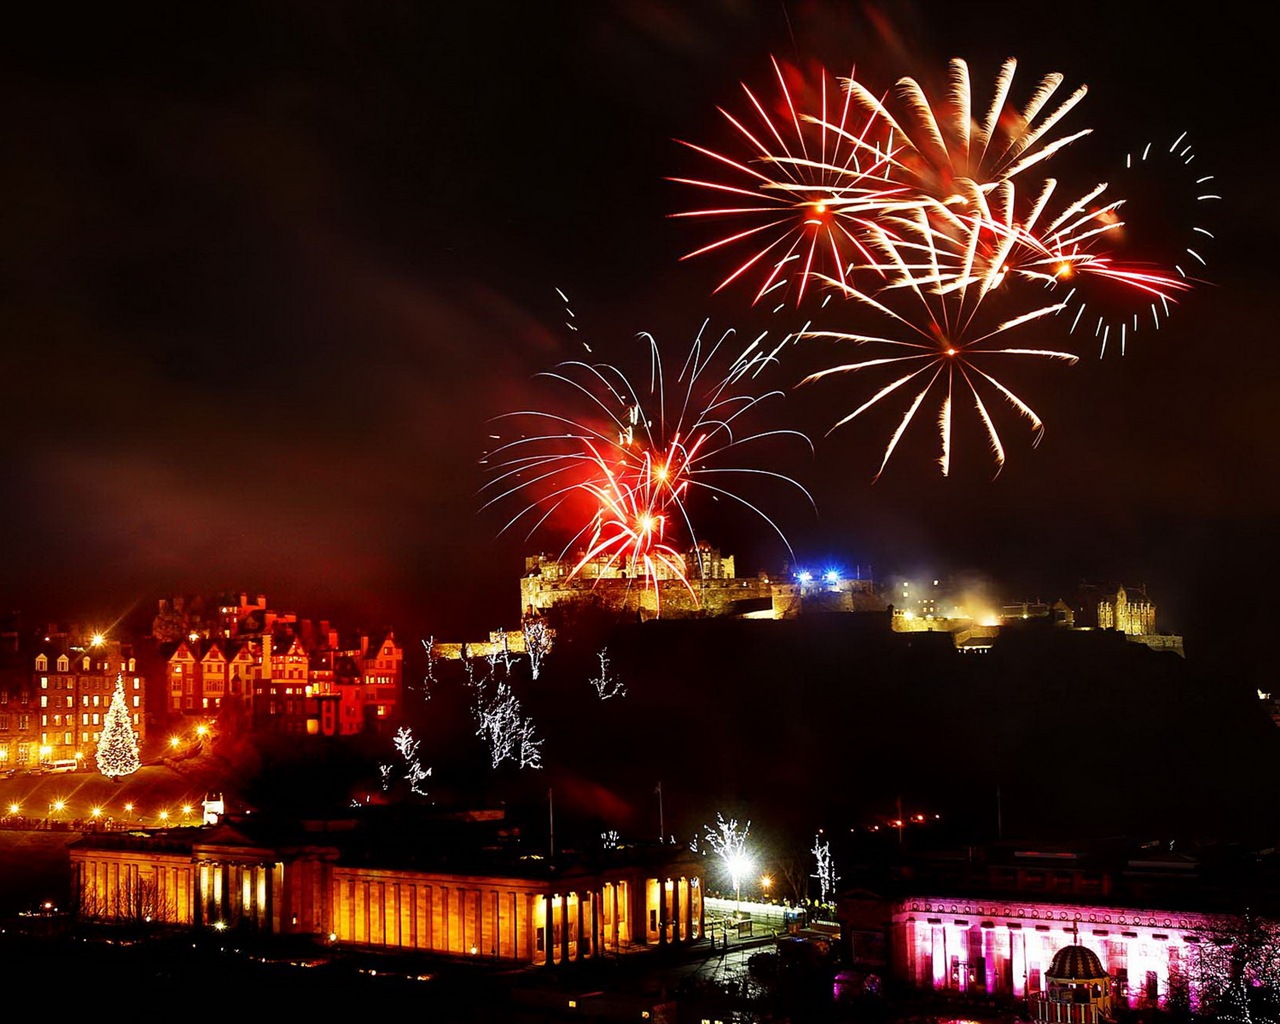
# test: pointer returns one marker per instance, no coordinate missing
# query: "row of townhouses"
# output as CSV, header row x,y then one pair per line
x,y
275,672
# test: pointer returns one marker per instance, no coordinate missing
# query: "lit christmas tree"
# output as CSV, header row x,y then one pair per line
x,y
118,746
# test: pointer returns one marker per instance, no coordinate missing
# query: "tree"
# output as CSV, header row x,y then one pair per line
x,y
1235,970
118,745
537,643
604,684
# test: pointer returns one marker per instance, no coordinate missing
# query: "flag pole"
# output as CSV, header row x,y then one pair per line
x,y
662,825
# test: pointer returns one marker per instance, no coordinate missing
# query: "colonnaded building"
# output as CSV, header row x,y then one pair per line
x,y
450,883
1068,935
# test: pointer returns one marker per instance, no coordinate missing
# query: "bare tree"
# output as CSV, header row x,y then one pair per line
x,y
604,684
537,643
133,899
503,725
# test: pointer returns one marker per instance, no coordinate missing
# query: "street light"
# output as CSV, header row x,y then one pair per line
x,y
766,883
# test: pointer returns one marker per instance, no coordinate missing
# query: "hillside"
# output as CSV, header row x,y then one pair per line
x,y
826,721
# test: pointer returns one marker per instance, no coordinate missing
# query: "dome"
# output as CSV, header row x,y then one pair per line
x,y
1075,963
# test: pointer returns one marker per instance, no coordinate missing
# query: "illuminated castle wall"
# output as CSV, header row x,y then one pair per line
x,y
1131,617
712,590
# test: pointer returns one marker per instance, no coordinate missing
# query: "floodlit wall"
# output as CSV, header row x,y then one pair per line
x,y
1005,947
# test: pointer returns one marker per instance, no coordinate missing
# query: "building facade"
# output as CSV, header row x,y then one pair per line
x,y
1007,947
55,689
285,675
529,909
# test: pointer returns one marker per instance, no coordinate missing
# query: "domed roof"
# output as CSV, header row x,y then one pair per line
x,y
1075,963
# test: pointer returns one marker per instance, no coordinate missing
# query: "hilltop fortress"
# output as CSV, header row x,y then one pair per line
x,y
711,588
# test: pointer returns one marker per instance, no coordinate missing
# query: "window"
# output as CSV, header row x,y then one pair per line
x,y
4,723
44,700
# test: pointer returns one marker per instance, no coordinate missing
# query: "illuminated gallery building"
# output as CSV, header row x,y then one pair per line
x,y
1076,934
454,888
1008,947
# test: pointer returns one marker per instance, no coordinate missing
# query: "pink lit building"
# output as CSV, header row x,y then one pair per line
x,y
1007,947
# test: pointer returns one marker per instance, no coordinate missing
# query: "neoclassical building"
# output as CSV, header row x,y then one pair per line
x,y
460,885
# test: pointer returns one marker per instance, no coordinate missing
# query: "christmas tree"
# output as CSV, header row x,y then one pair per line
x,y
118,746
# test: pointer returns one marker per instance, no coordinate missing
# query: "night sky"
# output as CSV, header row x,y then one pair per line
x,y
269,270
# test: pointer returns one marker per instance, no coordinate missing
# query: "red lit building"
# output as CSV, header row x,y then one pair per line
x,y
288,676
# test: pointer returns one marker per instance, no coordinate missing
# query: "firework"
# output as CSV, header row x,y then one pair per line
x,y
625,469
947,349
804,191
1114,294
946,153
931,213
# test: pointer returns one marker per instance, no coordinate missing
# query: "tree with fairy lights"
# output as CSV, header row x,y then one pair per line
x,y
118,745
729,843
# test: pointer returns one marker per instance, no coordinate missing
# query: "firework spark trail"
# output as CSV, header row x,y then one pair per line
x,y
934,155
638,457
945,358
1167,171
822,181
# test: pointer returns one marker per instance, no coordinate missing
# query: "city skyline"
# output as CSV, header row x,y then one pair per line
x,y
272,273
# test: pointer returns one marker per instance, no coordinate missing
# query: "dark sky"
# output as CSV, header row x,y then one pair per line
x,y
268,270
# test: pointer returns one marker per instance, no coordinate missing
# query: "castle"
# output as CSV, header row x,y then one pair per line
x,y
710,588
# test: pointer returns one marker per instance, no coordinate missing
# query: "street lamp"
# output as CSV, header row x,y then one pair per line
x,y
766,883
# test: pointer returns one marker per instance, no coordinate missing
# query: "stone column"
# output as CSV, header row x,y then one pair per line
x,y
662,912
581,928
548,927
